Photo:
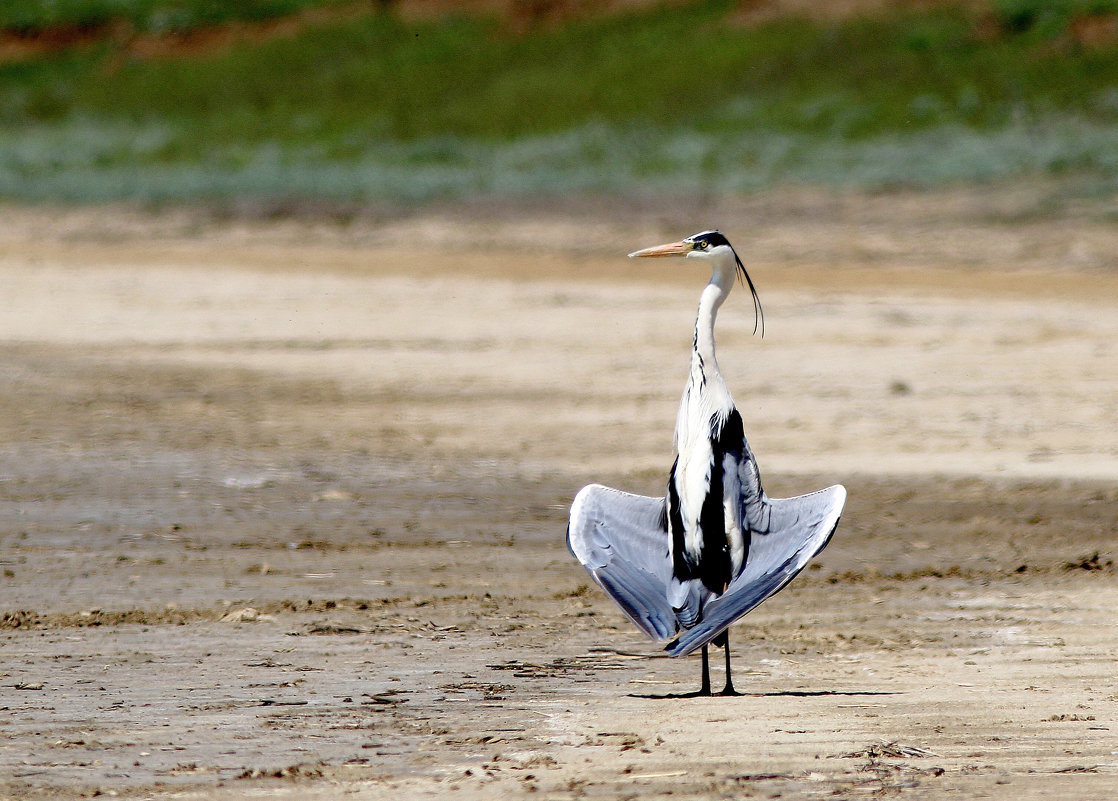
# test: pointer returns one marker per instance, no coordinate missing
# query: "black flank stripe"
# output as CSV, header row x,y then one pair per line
x,y
681,563
727,441
714,570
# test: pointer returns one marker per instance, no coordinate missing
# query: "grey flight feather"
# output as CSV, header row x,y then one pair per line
x,y
621,540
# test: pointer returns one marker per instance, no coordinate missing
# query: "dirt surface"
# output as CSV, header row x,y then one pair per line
x,y
282,503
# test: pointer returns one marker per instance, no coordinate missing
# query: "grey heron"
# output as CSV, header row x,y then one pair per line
x,y
685,566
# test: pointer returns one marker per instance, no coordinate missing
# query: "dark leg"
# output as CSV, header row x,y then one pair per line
x,y
729,688
722,641
705,689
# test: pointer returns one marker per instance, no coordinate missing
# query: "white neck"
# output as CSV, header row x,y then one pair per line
x,y
705,394
721,281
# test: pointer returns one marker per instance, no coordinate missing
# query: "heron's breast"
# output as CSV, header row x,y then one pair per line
x,y
693,484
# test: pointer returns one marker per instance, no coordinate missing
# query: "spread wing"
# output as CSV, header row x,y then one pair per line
x,y
785,533
622,540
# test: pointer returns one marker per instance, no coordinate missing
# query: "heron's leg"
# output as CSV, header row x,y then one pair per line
x,y
729,688
705,689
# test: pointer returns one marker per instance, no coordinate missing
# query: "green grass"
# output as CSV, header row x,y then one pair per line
x,y
365,106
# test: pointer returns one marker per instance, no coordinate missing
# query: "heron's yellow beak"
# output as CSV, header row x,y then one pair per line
x,y
681,248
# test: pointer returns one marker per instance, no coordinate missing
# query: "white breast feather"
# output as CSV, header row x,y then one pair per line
x,y
692,483
703,400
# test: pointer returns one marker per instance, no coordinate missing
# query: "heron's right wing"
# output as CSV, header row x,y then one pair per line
x,y
622,540
785,534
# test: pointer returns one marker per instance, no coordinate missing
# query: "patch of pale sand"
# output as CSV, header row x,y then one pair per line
x,y
861,370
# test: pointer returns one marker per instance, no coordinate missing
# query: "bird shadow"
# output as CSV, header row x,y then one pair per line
x,y
773,694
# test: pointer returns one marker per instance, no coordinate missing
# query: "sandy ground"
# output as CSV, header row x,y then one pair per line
x,y
282,504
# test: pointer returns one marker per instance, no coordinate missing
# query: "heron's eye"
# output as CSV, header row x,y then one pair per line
x,y
702,244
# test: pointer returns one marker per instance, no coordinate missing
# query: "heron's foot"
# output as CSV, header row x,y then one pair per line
x,y
702,692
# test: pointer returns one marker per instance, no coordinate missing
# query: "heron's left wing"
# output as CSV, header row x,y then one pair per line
x,y
622,540
785,533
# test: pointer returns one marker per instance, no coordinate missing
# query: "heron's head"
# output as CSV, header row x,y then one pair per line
x,y
714,247
710,245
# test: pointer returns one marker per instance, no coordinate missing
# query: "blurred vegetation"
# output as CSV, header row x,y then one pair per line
x,y
35,17
1045,19
360,104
